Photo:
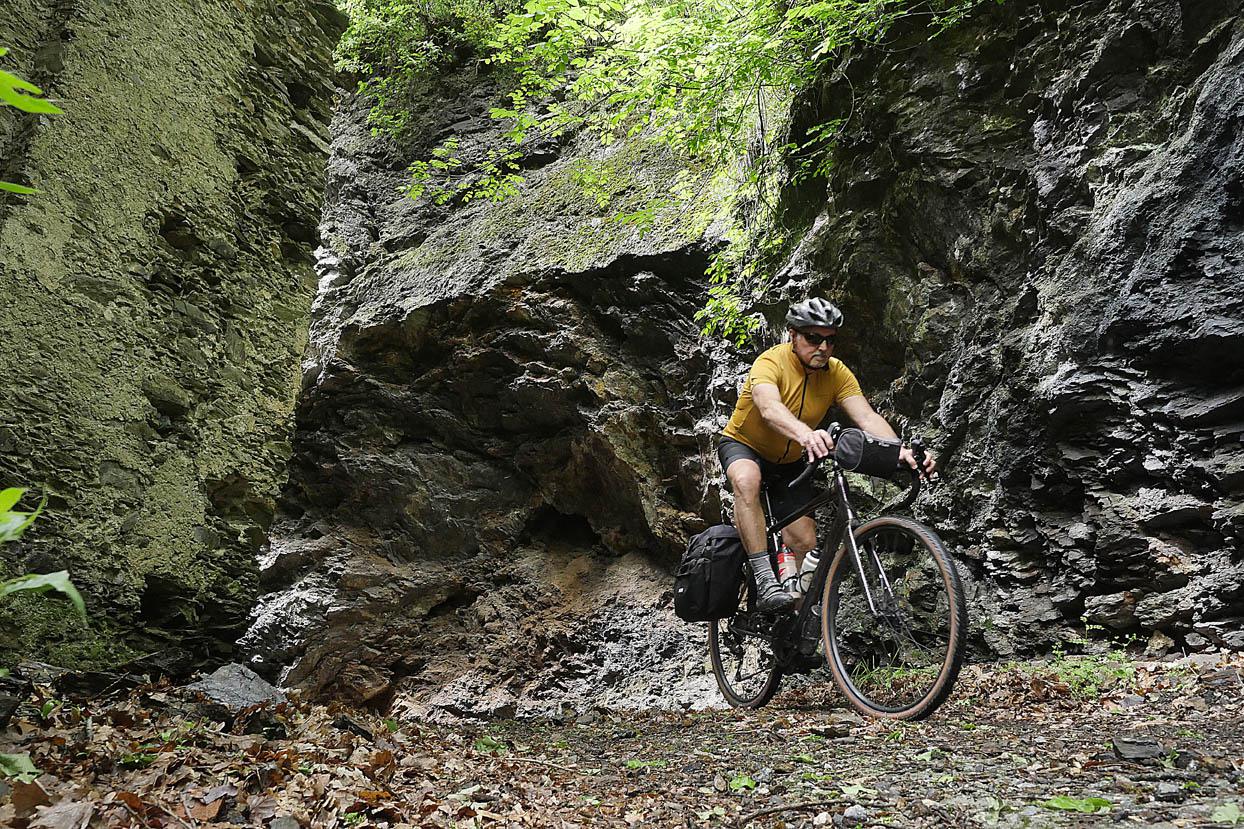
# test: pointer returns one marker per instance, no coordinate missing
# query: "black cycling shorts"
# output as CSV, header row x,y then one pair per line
x,y
775,476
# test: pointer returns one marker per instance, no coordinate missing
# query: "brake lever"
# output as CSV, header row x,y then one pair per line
x,y
919,454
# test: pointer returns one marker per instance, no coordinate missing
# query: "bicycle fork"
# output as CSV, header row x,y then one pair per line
x,y
849,516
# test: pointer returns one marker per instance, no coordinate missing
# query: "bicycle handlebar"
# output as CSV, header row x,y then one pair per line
x,y
834,430
918,453
806,473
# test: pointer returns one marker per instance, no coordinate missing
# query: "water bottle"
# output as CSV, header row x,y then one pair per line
x,y
787,571
803,583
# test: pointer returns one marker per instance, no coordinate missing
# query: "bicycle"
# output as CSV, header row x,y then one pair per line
x,y
893,614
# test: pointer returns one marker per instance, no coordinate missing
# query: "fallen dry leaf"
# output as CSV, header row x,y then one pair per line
x,y
131,800
206,811
68,814
27,797
261,807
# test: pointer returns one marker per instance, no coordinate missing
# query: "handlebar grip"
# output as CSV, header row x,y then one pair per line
x,y
834,430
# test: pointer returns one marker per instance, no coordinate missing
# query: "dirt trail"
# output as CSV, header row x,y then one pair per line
x,y
1075,742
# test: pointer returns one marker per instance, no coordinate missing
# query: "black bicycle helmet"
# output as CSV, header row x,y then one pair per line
x,y
814,312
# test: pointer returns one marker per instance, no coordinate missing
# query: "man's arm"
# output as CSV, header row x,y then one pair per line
x,y
863,415
768,400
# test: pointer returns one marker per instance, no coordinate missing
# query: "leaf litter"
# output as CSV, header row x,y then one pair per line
x,y
1017,745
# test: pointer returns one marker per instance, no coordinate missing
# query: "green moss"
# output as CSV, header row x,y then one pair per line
x,y
49,629
151,285
582,211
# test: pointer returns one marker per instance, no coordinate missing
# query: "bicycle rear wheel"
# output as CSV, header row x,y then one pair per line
x,y
902,661
743,662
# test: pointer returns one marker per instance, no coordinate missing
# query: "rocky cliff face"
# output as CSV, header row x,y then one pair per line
x,y
507,416
1035,224
156,292
496,458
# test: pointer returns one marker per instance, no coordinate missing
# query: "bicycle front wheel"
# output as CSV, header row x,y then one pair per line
x,y
899,657
743,662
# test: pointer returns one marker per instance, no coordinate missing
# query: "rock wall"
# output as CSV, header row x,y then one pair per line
x,y
496,448
1035,224
156,293
507,417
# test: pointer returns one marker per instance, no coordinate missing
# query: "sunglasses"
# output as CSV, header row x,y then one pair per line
x,y
815,340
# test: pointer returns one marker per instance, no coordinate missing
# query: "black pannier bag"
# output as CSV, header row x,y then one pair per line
x,y
706,585
857,451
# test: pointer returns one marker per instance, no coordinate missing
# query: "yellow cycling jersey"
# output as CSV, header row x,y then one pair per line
x,y
808,395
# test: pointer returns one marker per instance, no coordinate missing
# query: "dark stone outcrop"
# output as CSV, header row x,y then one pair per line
x,y
155,300
1035,223
232,689
496,460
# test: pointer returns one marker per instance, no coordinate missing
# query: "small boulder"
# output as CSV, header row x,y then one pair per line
x,y
1138,748
1170,792
854,815
234,688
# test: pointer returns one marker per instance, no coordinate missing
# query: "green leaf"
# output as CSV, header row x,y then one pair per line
x,y
40,583
18,767
489,745
9,497
13,524
804,758
20,189
741,782
1228,813
12,92
1087,805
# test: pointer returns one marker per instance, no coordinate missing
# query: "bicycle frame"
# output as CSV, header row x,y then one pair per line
x,y
844,518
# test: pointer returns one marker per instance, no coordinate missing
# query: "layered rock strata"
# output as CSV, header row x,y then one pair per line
x,y
156,295
1034,221
496,459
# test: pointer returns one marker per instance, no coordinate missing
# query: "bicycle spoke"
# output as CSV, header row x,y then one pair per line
x,y
742,659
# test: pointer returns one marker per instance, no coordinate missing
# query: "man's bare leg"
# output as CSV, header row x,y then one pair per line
x,y
800,536
744,478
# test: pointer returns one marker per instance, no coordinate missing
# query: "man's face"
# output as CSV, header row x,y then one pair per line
x,y
813,356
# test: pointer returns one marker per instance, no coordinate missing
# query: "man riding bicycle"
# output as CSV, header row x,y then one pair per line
x,y
788,392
